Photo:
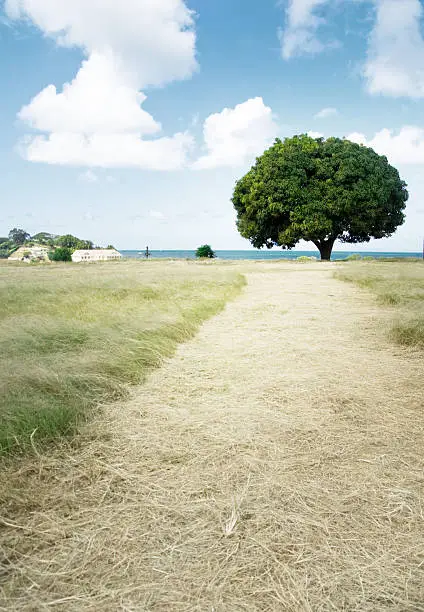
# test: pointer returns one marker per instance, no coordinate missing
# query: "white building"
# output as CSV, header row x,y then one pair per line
x,y
30,253
96,255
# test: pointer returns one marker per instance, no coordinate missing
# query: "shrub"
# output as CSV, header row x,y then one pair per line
x,y
305,258
61,254
353,257
205,252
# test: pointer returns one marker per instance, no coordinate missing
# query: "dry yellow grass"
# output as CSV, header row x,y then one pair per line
x,y
399,286
72,336
274,463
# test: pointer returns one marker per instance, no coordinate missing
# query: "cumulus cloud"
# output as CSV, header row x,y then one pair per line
x,y
395,54
403,147
302,24
313,134
324,113
154,39
236,135
395,64
97,119
98,100
109,150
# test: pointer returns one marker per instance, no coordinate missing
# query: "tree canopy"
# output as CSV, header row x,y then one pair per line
x,y
205,251
18,236
44,238
72,242
320,191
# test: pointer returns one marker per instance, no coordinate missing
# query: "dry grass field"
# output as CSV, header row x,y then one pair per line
x,y
399,285
274,462
72,336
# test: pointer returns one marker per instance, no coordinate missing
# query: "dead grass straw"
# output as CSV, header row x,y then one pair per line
x,y
246,474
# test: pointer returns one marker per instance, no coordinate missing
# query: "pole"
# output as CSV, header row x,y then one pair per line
x,y
147,252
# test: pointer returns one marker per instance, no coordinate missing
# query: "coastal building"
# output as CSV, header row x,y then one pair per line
x,y
96,255
30,253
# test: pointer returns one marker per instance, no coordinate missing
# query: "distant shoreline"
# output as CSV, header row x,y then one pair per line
x,y
264,255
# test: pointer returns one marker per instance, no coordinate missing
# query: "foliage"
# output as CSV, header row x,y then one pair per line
x,y
76,336
72,242
5,248
61,254
18,236
320,191
353,257
44,238
205,252
305,259
400,286
110,247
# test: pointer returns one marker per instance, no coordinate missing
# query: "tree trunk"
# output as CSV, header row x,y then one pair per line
x,y
325,247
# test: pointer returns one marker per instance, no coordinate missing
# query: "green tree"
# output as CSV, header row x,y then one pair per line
x,y
18,236
61,254
205,252
72,242
44,238
320,191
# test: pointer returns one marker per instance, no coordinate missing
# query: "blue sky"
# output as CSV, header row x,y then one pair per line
x,y
84,151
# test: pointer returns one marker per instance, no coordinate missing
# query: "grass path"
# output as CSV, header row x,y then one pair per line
x,y
275,463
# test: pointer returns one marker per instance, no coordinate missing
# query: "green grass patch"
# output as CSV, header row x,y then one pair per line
x,y
399,285
75,336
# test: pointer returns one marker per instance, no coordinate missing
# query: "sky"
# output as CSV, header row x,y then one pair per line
x,y
129,121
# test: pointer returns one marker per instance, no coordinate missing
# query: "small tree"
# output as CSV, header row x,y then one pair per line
x,y
205,252
18,236
61,254
72,242
320,191
44,238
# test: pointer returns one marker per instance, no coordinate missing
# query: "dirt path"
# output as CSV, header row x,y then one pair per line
x,y
275,463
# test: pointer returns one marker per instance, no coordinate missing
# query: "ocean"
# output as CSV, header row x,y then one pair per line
x,y
265,254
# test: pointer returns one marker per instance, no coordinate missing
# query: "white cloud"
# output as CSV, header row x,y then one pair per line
x,y
313,134
395,56
404,147
324,113
154,38
109,150
88,177
395,64
237,135
97,119
303,21
99,100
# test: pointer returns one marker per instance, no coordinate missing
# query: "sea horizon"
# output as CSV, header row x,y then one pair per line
x,y
239,254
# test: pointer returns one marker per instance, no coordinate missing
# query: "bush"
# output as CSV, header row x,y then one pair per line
x,y
353,257
61,254
205,252
305,258
409,332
